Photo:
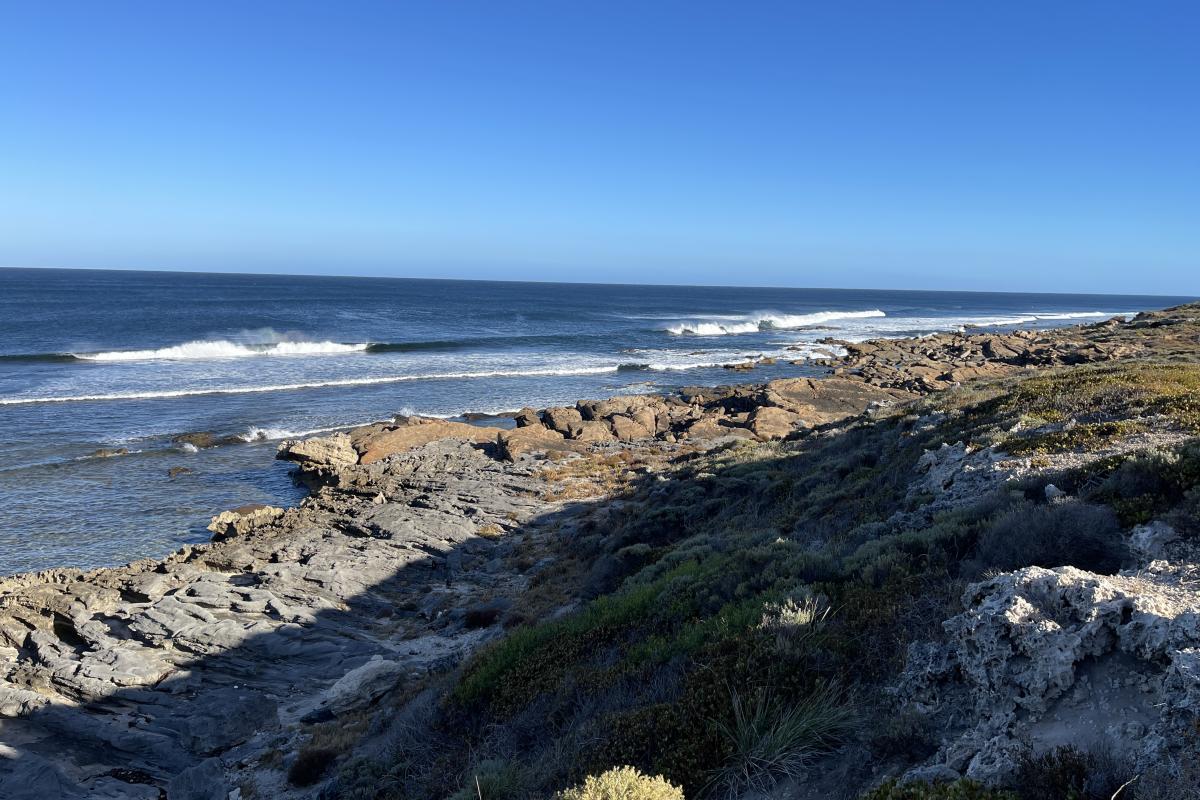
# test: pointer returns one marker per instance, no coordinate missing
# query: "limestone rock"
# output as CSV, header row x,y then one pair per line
x,y
567,421
824,400
242,520
768,422
374,443
331,451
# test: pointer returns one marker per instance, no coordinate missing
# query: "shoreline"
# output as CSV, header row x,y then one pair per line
x,y
418,541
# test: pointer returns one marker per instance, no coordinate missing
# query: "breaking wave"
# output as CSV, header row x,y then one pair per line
x,y
223,348
754,323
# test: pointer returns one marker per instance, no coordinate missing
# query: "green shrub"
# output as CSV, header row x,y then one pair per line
x,y
310,765
1070,533
959,790
621,783
1067,773
493,780
770,741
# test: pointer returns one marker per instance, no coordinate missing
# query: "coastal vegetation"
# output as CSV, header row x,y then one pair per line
x,y
752,610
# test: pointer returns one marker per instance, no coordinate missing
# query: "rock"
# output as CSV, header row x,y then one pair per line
x,y
109,452
201,440
820,401
243,519
328,451
205,781
602,409
593,431
377,442
774,423
567,421
627,429
1045,656
362,685
516,443
711,427
527,417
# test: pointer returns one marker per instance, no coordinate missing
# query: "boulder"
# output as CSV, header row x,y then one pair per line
x,y
376,442
594,431
769,422
824,400
567,421
627,404
527,417
325,451
627,429
519,441
242,520
710,427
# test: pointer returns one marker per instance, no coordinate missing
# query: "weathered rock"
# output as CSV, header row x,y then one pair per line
x,y
627,429
110,452
243,519
824,400
329,451
567,421
205,781
593,431
768,422
527,417
375,443
1046,653
516,443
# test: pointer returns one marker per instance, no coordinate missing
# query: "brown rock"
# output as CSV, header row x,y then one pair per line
x,y
567,421
376,442
828,399
527,417
329,451
515,443
627,429
594,431
769,422
710,427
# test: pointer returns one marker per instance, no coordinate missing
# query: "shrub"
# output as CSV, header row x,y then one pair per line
x,y
959,790
793,622
622,783
310,765
1067,773
770,741
1070,533
493,780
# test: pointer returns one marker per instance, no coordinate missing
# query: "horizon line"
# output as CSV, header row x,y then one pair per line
x,y
584,283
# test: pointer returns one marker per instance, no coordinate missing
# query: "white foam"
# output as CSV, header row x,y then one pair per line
x,y
223,348
288,387
753,323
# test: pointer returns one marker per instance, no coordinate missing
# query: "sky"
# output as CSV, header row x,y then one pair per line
x,y
1022,146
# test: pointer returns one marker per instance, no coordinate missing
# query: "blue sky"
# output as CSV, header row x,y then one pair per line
x,y
1018,146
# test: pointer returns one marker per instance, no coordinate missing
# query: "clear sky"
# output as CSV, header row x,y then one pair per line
x,y
972,145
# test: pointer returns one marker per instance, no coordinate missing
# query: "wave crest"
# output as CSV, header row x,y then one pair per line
x,y
223,348
753,323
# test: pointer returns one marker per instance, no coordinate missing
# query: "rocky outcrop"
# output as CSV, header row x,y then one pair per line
x,y
930,363
181,673
1046,657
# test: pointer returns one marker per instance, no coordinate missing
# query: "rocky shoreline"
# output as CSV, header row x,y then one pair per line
x,y
194,676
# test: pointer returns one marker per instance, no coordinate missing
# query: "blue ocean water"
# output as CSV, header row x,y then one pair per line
x,y
100,359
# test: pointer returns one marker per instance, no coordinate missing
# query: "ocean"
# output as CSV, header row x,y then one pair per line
x,y
126,362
